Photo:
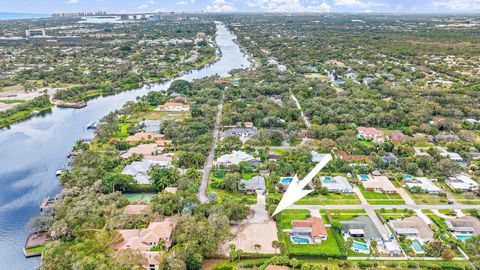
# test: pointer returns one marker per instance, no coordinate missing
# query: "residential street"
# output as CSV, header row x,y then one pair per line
x,y
202,191
385,206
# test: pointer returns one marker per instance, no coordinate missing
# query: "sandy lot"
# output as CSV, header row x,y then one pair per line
x,y
258,229
17,92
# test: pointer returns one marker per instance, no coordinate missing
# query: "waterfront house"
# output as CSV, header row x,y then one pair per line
x,y
420,184
310,231
140,169
146,150
377,183
369,133
235,158
173,107
413,228
462,182
256,183
337,184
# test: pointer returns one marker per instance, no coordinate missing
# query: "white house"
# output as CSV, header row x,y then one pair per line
x,y
462,182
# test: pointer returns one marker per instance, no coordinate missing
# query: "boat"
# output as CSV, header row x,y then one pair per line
x,y
58,172
92,125
74,105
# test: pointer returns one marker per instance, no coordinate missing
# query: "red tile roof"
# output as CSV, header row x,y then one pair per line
x,y
318,229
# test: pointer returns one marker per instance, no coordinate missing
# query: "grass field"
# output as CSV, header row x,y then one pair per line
x,y
133,197
394,214
423,198
342,215
381,198
330,198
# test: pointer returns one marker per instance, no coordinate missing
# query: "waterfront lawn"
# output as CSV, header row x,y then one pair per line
x,y
34,250
133,197
381,198
330,198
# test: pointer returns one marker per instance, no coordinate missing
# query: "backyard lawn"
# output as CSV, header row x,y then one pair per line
x,y
327,247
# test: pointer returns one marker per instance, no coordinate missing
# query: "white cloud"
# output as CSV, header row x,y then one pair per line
x,y
160,10
73,1
182,2
142,6
456,5
288,6
357,3
220,6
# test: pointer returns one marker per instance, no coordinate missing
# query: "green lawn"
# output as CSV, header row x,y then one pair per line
x,y
393,214
342,215
330,198
133,197
423,198
381,198
327,247
35,250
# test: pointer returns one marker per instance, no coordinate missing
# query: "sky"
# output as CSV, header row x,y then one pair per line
x,y
139,6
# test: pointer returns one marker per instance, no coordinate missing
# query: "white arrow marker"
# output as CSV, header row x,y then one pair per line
x,y
295,190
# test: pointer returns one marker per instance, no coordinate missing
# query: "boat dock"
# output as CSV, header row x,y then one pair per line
x,y
35,244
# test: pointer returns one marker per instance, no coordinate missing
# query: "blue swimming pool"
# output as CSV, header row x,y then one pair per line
x,y
463,237
287,180
407,176
299,240
359,246
327,178
364,177
417,247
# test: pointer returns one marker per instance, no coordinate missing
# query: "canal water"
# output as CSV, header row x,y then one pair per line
x,y
31,152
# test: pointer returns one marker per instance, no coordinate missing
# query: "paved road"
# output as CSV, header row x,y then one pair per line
x,y
384,206
202,191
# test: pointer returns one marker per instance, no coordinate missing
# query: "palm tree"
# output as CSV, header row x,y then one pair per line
x,y
257,247
276,245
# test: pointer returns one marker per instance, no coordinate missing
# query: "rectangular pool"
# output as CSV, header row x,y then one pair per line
x,y
417,247
463,237
364,177
360,247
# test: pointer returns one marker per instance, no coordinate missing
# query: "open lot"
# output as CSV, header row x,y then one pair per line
x,y
381,198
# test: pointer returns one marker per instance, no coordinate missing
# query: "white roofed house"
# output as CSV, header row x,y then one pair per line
x,y
140,169
412,227
337,184
235,158
421,184
462,182
256,183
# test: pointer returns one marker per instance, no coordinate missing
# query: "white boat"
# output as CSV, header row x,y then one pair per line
x,y
58,172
